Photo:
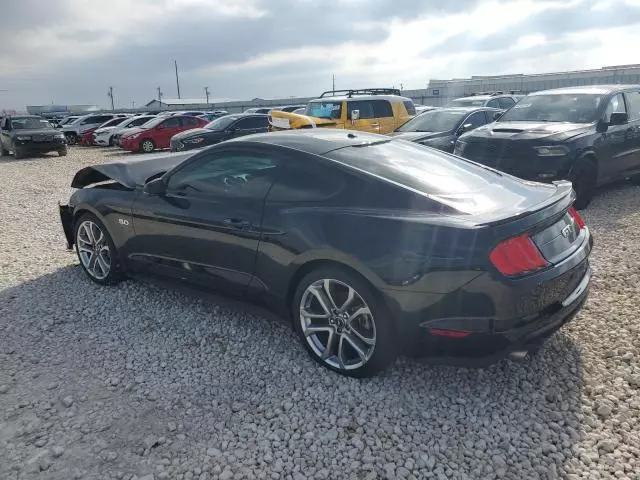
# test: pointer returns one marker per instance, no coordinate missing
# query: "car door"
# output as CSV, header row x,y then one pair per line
x,y
633,110
367,121
206,227
617,142
383,112
165,130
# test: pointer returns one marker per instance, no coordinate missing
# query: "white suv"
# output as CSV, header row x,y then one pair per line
x,y
74,130
501,101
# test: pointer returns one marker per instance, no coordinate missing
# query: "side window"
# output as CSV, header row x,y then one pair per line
x,y
171,122
490,115
382,109
103,119
138,121
506,102
307,180
365,107
189,121
259,122
244,124
227,174
476,119
411,108
633,105
493,103
616,105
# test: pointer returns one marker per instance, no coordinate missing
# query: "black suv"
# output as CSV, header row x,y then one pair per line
x,y
589,135
30,134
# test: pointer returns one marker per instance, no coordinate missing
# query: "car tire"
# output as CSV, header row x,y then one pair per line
x,y
584,177
111,141
147,146
18,153
3,151
72,138
62,152
96,251
352,334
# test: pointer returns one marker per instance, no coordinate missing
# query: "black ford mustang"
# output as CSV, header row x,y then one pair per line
x,y
372,245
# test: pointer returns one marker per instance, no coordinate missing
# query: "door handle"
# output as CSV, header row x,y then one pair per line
x,y
375,124
237,223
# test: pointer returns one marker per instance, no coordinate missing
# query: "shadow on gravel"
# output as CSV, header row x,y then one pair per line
x,y
220,367
40,156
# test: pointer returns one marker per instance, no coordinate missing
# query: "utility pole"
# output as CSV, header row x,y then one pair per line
x,y
206,92
177,80
333,84
110,95
159,95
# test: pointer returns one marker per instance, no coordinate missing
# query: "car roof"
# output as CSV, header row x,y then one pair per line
x,y
467,109
340,98
587,89
317,141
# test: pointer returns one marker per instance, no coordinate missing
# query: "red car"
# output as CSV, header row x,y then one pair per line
x,y
157,133
86,137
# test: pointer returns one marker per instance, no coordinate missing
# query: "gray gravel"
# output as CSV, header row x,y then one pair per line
x,y
137,381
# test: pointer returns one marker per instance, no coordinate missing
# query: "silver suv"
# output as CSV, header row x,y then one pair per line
x,y
74,130
495,100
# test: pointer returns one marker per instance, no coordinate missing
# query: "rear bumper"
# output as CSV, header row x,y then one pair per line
x,y
489,317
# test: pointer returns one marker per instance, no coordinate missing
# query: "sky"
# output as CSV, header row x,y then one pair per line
x,y
72,51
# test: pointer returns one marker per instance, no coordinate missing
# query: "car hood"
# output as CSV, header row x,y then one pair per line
x,y
130,174
105,129
286,120
198,132
35,131
132,131
419,136
529,130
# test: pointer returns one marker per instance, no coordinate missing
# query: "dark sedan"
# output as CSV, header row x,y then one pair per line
x,y
28,135
220,129
371,245
439,128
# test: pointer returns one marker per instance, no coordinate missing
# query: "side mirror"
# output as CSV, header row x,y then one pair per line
x,y
464,128
497,115
355,115
155,187
618,118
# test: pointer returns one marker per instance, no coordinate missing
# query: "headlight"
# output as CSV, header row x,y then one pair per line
x,y
552,151
23,137
194,140
132,137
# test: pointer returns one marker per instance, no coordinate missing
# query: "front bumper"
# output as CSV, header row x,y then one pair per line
x,y
128,144
66,218
40,147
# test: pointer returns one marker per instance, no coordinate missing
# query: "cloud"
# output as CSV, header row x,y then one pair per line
x,y
71,51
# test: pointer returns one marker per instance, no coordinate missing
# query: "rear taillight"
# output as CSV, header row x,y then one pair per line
x,y
578,219
516,256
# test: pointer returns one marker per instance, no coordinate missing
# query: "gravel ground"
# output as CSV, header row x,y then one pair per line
x,y
137,381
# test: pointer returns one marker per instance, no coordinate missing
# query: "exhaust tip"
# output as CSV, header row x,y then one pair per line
x,y
518,355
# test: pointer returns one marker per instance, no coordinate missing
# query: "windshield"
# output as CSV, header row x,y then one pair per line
x,y
320,109
29,123
570,107
153,122
433,121
468,102
221,123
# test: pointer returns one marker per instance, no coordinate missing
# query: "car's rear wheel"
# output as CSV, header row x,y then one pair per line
x,y
18,152
72,138
62,151
96,250
147,146
583,176
342,323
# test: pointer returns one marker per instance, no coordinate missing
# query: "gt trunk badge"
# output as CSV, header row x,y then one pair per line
x,y
566,231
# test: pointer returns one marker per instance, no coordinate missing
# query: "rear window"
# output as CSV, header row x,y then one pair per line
x,y
450,180
411,108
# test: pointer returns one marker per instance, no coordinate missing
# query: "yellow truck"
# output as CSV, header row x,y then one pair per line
x,y
376,110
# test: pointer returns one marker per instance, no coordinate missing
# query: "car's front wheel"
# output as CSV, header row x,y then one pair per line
x,y
62,151
342,323
584,177
147,146
96,250
72,138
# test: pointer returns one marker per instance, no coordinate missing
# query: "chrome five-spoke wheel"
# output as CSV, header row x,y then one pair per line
x,y
93,249
337,324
